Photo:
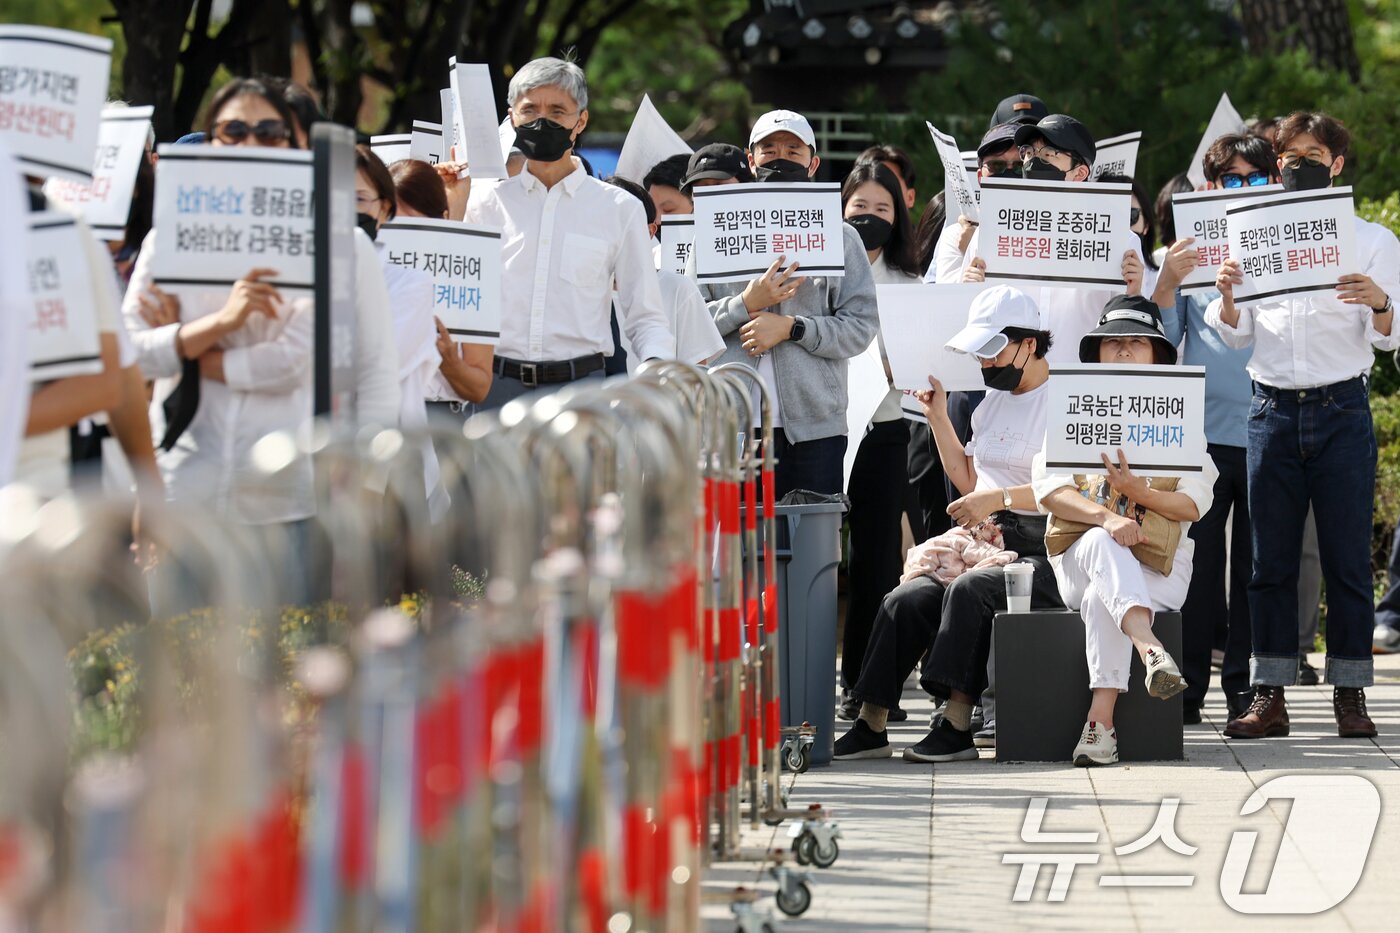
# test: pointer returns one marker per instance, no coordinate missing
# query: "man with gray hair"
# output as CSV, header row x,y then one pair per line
x,y
566,239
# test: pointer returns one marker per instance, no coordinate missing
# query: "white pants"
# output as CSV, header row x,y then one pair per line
x,y
1105,580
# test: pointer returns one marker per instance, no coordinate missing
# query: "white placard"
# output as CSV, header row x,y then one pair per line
x,y
1225,119
741,229
63,336
222,211
105,203
916,323
1155,414
677,240
959,189
392,148
425,142
866,388
1201,215
1293,242
464,261
53,84
972,164
505,134
1116,156
650,140
1051,231
450,131
478,132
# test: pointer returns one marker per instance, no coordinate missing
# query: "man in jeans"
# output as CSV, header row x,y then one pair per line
x,y
798,332
1310,441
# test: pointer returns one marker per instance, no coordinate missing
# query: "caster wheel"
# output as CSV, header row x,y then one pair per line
x,y
805,848
795,760
824,856
770,821
805,760
796,903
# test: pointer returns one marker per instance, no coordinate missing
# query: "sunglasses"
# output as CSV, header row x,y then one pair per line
x,y
1134,215
265,131
1236,180
1001,166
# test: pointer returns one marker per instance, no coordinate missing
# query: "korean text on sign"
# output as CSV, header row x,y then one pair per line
x,y
1054,232
464,262
1116,156
53,84
105,202
1155,414
63,338
1201,215
677,240
1292,242
958,186
741,229
222,211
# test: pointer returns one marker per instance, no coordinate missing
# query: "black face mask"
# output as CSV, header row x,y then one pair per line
x,y
874,231
1042,170
369,224
1307,175
1004,378
782,170
543,140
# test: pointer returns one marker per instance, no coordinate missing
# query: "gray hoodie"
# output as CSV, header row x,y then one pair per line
x,y
811,373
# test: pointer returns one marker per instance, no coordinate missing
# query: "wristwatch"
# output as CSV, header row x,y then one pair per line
x,y
799,328
1005,498
1386,308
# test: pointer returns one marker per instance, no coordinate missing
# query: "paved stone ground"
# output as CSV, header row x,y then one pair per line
x,y
922,845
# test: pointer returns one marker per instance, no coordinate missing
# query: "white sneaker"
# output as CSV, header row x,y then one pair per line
x,y
1163,678
1097,746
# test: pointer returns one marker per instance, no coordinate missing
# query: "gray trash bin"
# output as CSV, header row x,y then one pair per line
x,y
808,553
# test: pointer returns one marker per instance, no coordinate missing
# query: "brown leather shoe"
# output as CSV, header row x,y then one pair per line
x,y
1267,716
1349,705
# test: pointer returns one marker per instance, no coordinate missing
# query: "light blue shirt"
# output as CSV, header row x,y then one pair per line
x,y
1228,388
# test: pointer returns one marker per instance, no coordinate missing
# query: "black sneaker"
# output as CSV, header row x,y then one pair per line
x,y
898,714
985,737
943,744
849,709
978,720
862,742
1190,715
1307,674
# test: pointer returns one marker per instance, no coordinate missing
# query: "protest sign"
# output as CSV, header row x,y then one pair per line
x,y
1226,119
916,323
222,211
741,229
1155,414
1292,242
478,138
1041,231
425,142
1201,215
505,135
106,201
53,84
866,388
677,240
334,358
63,338
464,262
1116,156
392,148
650,140
972,163
450,130
959,189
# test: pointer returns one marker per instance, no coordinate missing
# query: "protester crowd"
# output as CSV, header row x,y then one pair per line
x,y
187,389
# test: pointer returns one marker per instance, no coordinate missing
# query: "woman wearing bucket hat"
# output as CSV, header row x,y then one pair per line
x,y
1118,542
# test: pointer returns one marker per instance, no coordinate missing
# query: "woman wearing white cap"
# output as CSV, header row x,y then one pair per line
x,y
1106,562
993,474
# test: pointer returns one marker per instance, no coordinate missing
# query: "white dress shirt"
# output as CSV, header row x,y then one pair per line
x,y
562,248
1311,340
16,311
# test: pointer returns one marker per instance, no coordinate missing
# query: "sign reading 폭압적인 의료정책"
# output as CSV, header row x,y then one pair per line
x,y
222,211
741,229
1201,216
1292,242
53,85
464,262
1154,414
960,188
63,338
1055,232
105,202
1116,156
677,240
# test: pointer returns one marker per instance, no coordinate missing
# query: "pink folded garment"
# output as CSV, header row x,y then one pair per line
x,y
948,556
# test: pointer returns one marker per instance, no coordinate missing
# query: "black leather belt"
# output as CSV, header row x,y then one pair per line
x,y
547,373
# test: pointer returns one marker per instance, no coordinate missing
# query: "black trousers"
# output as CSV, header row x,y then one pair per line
x,y
928,515
874,558
1207,609
816,465
952,622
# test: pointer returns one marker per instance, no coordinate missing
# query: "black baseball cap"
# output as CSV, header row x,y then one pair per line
x,y
717,160
1062,132
1126,316
1020,108
997,139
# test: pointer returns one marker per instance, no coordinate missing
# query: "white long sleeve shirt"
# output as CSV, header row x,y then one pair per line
x,y
697,337
562,248
1311,340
